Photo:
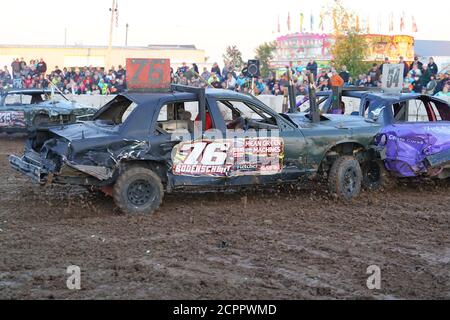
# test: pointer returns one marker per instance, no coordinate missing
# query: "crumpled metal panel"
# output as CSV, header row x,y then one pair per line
x,y
407,147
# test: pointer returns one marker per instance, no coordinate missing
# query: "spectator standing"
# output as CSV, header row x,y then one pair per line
x,y
432,66
42,66
195,68
406,70
425,78
345,75
15,66
416,62
216,70
417,85
374,74
312,67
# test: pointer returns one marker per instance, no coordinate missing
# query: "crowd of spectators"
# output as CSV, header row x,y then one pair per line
x,y
418,77
85,80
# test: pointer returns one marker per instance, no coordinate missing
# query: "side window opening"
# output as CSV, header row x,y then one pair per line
x,y
242,115
17,99
182,116
400,112
347,106
418,111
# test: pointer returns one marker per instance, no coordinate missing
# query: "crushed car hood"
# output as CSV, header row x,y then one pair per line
x,y
408,146
84,130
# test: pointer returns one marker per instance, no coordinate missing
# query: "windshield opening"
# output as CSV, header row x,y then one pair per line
x,y
116,111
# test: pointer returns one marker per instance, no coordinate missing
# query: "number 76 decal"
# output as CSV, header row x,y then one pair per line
x,y
213,154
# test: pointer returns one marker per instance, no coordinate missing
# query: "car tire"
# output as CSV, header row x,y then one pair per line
x,y
345,178
375,176
138,190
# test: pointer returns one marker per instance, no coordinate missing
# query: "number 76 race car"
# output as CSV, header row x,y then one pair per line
x,y
141,145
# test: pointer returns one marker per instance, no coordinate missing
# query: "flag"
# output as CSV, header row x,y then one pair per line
x,y
279,26
312,23
414,25
289,21
391,22
402,22
301,22
117,14
321,22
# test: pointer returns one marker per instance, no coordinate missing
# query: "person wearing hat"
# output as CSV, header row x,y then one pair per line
x,y
416,62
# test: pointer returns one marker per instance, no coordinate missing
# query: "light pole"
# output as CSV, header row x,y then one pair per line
x,y
126,34
113,10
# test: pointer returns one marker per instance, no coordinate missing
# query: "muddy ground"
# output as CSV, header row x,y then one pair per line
x,y
271,244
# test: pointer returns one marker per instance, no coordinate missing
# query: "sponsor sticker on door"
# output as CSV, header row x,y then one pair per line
x,y
231,157
12,119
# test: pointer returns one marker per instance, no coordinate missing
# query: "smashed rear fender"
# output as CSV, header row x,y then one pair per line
x,y
415,149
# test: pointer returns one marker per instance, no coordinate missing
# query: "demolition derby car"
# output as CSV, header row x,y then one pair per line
x,y
27,109
140,145
414,139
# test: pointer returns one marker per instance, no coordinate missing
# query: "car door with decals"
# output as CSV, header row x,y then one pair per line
x,y
247,145
12,112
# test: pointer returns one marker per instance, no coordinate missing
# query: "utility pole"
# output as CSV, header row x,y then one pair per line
x,y
65,37
113,10
126,35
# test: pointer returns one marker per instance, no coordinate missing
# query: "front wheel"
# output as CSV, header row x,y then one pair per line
x,y
345,178
138,191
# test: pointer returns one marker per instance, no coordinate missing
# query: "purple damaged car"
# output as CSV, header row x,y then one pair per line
x,y
414,139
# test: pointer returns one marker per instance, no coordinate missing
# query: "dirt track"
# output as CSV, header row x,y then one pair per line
x,y
288,244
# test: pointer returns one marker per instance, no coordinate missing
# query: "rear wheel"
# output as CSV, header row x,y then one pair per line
x,y
138,191
345,178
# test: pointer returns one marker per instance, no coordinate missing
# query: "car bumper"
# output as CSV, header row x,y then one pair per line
x,y
29,167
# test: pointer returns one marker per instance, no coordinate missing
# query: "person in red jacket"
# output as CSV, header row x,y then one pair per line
x,y
209,124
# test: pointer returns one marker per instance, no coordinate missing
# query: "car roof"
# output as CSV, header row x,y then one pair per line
x,y
371,95
148,97
28,91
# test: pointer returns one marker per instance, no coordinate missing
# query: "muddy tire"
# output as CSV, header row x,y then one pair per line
x,y
345,178
138,190
376,177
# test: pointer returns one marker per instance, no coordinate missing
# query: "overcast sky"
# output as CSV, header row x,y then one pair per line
x,y
210,25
